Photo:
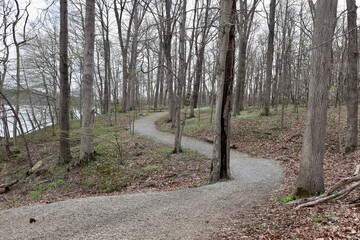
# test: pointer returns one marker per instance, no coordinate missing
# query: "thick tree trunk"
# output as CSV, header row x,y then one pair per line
x,y
87,138
352,77
180,80
311,180
64,143
220,166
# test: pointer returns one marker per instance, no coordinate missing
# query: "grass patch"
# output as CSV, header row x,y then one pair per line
x,y
151,168
316,219
165,149
37,191
56,184
247,115
106,176
286,199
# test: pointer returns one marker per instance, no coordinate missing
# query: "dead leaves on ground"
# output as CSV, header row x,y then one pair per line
x,y
263,137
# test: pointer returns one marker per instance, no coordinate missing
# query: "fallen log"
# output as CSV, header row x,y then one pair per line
x,y
6,186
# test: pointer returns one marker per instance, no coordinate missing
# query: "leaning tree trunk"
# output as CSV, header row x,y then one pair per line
x,y
311,180
352,76
220,166
86,145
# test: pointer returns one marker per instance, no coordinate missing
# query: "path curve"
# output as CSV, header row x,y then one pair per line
x,y
182,214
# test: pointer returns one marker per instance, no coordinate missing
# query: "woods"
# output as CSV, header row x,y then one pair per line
x,y
75,61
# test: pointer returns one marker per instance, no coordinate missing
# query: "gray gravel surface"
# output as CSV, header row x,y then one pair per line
x,y
184,214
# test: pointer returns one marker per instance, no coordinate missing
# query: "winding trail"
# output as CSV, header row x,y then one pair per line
x,y
183,214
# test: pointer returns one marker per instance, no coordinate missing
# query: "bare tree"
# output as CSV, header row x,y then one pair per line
x,y
64,147
87,126
129,46
269,58
200,53
180,80
220,165
311,180
18,16
352,78
104,18
168,34
4,26
246,18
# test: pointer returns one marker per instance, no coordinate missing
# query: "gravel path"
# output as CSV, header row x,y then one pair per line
x,y
183,214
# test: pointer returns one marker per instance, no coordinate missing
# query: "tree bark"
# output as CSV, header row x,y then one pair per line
x,y
352,77
269,58
180,80
311,180
87,138
169,64
220,166
64,144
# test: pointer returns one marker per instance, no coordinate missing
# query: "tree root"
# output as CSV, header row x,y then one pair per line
x,y
350,183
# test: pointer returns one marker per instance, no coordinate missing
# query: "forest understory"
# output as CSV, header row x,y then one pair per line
x,y
125,163
277,219
151,167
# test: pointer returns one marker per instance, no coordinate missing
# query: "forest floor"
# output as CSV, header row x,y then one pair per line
x,y
187,213
265,137
128,163
125,163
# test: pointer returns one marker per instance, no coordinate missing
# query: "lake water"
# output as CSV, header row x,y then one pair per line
x,y
42,119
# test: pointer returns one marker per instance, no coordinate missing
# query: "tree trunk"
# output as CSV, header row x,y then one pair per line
x,y
269,58
352,77
159,74
169,64
200,62
87,138
311,180
244,27
180,80
64,144
220,166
